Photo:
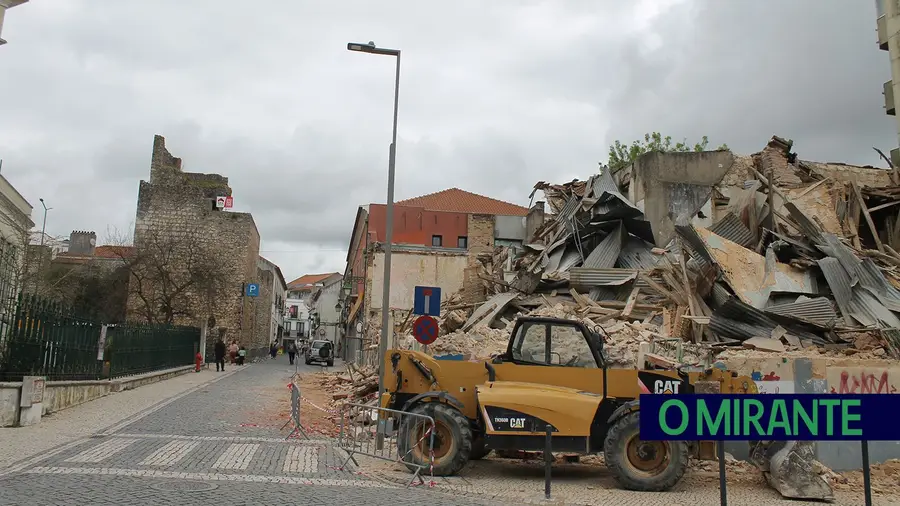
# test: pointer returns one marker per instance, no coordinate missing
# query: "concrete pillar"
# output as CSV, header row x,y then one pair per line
x,y
31,402
534,220
204,330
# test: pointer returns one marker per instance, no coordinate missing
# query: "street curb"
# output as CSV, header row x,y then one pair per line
x,y
109,430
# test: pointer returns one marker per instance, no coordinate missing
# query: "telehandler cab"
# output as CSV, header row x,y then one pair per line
x,y
553,372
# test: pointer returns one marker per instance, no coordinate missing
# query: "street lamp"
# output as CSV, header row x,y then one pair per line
x,y
389,231
41,250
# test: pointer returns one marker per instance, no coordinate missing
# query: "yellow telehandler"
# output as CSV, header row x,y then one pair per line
x,y
554,372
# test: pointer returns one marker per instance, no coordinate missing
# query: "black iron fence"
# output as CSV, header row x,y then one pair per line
x,y
49,339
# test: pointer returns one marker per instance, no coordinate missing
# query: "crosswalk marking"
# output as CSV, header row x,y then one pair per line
x,y
301,459
102,451
170,453
237,456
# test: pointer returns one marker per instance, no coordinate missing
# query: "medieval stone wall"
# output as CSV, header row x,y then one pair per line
x,y
175,202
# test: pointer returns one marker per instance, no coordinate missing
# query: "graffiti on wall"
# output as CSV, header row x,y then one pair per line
x,y
860,380
775,387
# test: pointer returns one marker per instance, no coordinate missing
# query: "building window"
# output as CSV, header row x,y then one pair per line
x,y
436,241
287,325
300,328
462,242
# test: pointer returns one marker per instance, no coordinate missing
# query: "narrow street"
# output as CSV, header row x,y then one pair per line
x,y
219,443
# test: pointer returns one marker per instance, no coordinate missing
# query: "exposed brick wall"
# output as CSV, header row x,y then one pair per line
x,y
481,235
174,201
481,240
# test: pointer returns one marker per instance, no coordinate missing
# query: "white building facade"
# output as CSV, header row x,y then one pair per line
x,y
326,311
296,321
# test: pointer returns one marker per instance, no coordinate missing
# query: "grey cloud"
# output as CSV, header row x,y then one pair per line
x,y
808,70
494,96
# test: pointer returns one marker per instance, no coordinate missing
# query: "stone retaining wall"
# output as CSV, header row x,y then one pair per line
x,y
59,395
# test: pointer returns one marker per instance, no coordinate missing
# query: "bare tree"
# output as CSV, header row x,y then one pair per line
x,y
19,262
175,276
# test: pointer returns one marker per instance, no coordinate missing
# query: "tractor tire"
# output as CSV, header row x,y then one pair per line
x,y
452,439
646,466
478,450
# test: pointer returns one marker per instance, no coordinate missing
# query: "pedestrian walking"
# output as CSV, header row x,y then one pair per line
x,y
220,355
292,352
273,350
242,355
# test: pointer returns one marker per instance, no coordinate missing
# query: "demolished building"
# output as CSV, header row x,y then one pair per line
x,y
709,249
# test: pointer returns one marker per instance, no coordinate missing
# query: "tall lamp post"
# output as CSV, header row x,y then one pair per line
x,y
41,250
389,232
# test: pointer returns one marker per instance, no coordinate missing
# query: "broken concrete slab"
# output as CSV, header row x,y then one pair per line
x,y
675,186
748,273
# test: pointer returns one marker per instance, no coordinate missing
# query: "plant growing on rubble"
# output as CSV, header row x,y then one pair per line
x,y
622,154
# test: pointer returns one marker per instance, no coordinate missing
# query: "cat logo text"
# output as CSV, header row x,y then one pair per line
x,y
666,387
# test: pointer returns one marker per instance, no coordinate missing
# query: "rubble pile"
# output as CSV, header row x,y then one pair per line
x,y
765,253
356,385
885,478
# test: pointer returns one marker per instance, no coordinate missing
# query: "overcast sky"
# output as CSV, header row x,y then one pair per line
x,y
494,96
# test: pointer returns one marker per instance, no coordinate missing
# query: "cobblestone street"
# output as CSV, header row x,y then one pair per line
x,y
209,441
218,438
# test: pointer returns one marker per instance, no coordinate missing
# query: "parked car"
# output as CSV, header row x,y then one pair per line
x,y
321,352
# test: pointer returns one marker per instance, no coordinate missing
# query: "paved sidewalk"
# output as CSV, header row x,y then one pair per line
x,y
18,444
209,438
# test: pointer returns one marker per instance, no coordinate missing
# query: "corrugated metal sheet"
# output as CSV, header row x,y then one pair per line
x,y
606,253
603,293
819,311
839,282
554,258
571,258
845,255
730,227
720,294
566,213
582,278
872,279
741,321
855,301
610,201
865,308
636,254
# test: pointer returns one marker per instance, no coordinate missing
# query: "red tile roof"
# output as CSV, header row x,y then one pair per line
x,y
310,279
460,201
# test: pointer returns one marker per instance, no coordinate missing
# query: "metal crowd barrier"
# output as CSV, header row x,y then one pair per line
x,y
295,413
406,438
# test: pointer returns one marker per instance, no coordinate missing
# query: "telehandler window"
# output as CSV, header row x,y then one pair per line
x,y
568,345
531,345
552,344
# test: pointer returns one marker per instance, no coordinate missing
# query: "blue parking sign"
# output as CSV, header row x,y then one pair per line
x,y
252,290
